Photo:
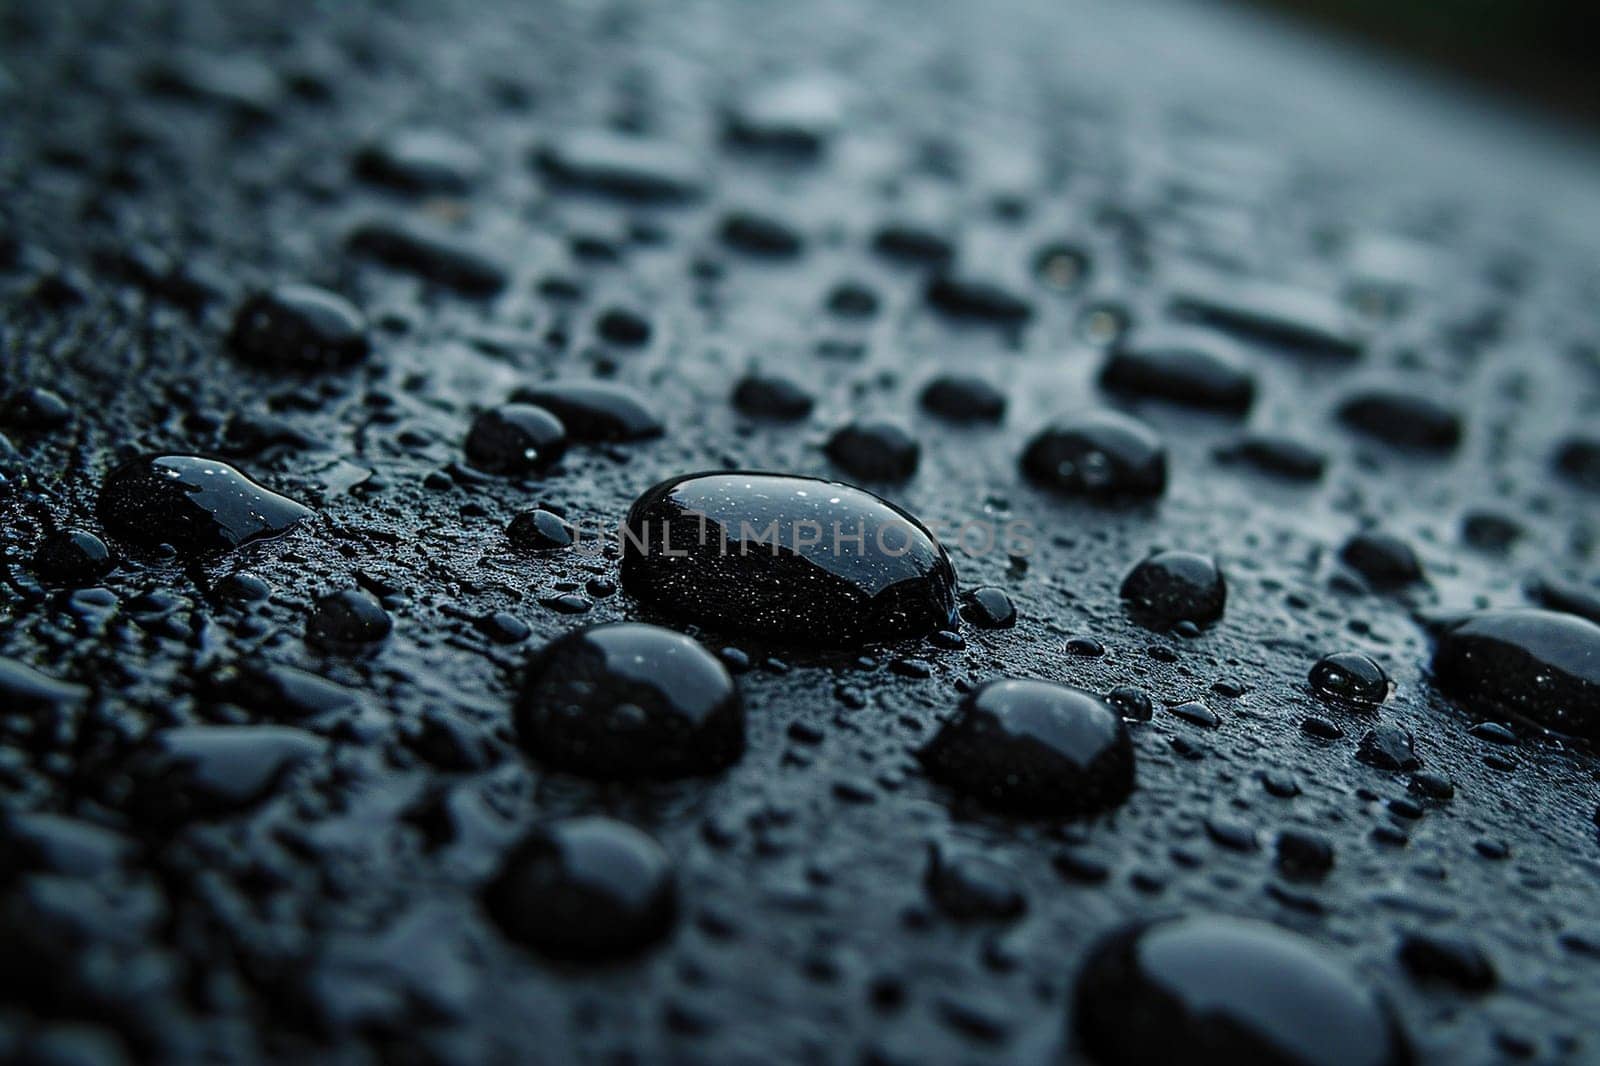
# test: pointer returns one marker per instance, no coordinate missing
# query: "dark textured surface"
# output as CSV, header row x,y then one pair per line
x,y
224,841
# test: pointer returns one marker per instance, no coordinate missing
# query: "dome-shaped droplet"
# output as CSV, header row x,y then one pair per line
x,y
1035,748
1350,677
630,700
196,505
1103,456
299,327
777,555
1541,665
1224,990
71,558
348,620
1175,586
515,438
584,889
875,450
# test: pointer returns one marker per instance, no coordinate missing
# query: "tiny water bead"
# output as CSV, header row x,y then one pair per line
x,y
1350,677
299,328
194,504
1540,665
1103,456
1212,989
419,161
629,700
586,889
1172,587
515,438
1034,748
431,253
786,556
71,558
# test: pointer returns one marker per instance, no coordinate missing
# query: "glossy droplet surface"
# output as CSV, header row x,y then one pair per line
x,y
515,438
875,450
1225,990
988,607
1402,418
347,620
785,556
1102,456
1383,559
196,505
630,700
1182,367
1350,677
963,398
1541,665
595,410
205,771
72,558
299,327
584,889
1035,748
1175,586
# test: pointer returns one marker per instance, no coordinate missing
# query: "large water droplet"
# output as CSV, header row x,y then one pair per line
x,y
797,557
1541,665
1222,990
194,504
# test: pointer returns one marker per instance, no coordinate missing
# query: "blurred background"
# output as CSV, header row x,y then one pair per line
x,y
1546,52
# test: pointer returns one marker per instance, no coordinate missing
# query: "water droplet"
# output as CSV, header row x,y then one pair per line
x,y
196,505
1034,748
875,450
770,396
1388,747
623,326
1172,587
795,117
36,410
1404,419
1350,677
1215,989
963,398
585,889
1061,267
1278,455
629,700
205,771
430,253
970,296
786,556
347,620
1297,319
299,327
761,234
1102,456
988,607
1540,665
1182,367
1577,458
420,161
623,167
515,438
72,558
595,410
1132,703
1383,559
539,530
1454,961
969,886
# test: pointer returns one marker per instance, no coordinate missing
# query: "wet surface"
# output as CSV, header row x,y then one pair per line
x,y
1060,284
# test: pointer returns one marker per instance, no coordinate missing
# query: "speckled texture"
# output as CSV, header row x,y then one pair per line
x,y
315,891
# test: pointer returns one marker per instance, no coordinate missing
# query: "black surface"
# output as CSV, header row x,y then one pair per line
x,y
253,796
